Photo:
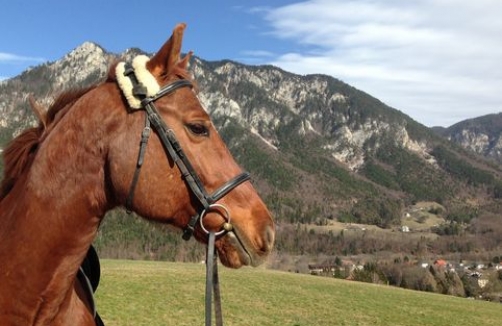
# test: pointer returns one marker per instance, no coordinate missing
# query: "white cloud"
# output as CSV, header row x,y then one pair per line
x,y
436,60
14,58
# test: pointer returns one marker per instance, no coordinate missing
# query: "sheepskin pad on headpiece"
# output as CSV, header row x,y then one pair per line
x,y
144,77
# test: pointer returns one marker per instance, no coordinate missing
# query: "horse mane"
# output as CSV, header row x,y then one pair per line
x,y
19,154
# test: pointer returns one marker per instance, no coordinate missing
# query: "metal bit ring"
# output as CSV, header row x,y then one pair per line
x,y
223,212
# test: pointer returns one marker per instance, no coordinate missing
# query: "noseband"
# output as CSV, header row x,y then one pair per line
x,y
206,201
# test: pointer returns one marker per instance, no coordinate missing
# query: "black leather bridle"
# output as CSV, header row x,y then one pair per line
x,y
206,201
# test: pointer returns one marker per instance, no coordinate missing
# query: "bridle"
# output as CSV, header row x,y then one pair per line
x,y
206,201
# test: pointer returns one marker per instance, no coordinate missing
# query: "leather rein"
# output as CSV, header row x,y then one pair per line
x,y
206,201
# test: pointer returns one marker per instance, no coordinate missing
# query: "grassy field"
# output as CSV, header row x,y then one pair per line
x,y
159,293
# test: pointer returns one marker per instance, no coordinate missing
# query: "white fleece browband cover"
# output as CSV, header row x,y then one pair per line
x,y
144,77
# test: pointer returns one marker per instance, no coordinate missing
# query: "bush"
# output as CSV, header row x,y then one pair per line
x,y
417,278
494,284
471,286
371,273
448,282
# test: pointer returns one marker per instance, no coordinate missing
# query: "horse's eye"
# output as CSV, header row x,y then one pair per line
x,y
198,129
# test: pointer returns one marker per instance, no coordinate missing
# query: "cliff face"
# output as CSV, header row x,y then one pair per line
x,y
482,135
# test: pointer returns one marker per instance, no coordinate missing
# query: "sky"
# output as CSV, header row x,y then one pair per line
x,y
438,61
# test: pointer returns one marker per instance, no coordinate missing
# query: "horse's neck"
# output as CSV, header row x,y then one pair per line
x,y
47,222
40,252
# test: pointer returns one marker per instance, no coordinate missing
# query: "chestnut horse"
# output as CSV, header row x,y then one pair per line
x,y
63,176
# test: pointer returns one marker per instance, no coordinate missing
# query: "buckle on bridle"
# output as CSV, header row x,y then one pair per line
x,y
190,228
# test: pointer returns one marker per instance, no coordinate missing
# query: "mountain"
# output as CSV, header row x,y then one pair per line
x,y
320,151
482,135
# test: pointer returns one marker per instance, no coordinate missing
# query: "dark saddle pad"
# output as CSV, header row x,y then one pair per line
x,y
89,275
92,268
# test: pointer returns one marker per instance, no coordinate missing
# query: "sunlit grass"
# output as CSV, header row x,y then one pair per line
x,y
159,293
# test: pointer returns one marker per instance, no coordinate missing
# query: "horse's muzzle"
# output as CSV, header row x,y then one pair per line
x,y
237,250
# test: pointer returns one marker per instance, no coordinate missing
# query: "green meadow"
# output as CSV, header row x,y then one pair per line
x,y
159,293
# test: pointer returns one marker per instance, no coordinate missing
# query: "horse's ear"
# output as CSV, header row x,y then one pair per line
x,y
169,54
185,61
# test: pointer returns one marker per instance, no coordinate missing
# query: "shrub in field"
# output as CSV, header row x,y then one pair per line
x,y
418,278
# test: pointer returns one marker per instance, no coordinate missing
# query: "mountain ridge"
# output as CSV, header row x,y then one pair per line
x,y
319,149
481,135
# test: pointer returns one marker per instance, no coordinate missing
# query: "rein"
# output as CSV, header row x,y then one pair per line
x,y
212,283
207,202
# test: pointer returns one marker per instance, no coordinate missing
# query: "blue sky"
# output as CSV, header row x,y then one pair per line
x,y
438,61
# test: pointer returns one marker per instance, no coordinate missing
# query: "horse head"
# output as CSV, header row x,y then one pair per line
x,y
194,175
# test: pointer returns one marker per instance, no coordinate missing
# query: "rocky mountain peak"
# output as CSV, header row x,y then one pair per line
x,y
84,51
